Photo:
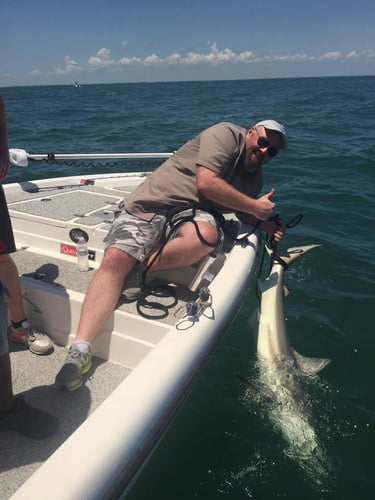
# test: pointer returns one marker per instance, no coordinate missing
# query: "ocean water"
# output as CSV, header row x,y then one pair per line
x,y
231,441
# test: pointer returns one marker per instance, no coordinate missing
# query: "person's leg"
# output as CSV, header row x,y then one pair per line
x,y
100,301
21,330
186,248
103,293
9,276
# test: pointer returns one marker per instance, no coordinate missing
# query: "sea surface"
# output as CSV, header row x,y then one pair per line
x,y
231,441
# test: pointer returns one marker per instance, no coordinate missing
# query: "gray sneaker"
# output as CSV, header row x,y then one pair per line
x,y
33,337
76,364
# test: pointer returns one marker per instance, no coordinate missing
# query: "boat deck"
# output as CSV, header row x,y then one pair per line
x,y
34,376
63,275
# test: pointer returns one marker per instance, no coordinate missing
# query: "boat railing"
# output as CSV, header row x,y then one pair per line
x,y
21,158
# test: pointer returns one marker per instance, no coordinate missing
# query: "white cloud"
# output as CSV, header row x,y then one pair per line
x,y
247,56
174,58
352,55
70,66
364,54
153,59
103,60
330,56
217,56
289,58
125,61
103,53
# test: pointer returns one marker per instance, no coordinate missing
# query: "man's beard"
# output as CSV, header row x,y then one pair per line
x,y
254,161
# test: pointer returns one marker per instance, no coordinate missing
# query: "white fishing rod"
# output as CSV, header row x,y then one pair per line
x,y
20,157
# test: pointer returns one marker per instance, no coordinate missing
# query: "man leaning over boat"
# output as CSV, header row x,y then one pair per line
x,y
217,172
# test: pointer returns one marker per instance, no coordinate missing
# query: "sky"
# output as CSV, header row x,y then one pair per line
x,y
44,42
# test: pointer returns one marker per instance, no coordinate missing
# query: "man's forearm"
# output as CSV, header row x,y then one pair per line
x,y
216,189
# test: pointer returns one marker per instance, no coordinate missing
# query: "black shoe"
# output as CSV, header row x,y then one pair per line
x,y
27,420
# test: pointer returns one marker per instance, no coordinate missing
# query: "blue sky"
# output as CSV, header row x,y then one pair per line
x,y
95,41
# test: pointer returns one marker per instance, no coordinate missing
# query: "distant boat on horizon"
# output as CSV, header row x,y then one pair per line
x,y
77,84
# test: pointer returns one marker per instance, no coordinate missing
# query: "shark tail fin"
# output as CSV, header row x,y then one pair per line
x,y
310,366
293,253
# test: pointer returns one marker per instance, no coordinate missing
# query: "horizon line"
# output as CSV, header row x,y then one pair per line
x,y
185,81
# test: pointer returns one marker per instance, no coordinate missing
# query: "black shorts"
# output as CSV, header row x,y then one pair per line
x,y
7,244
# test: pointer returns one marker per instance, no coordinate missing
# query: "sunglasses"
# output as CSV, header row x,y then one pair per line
x,y
263,142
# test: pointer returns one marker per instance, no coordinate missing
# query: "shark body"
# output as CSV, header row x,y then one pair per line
x,y
272,340
282,372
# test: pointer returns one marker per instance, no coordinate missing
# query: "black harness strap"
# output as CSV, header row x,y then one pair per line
x,y
272,245
173,222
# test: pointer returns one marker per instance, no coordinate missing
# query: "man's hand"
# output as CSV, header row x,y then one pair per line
x,y
274,229
264,206
4,152
218,190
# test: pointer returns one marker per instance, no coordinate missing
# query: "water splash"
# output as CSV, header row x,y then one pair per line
x,y
283,395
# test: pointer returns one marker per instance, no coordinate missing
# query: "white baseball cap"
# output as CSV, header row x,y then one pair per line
x,y
274,125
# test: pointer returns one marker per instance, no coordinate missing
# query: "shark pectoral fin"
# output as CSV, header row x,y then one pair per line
x,y
310,366
261,285
286,292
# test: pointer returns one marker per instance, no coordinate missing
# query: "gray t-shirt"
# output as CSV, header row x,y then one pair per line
x,y
219,148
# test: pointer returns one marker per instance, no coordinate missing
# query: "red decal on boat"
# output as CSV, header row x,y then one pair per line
x,y
68,249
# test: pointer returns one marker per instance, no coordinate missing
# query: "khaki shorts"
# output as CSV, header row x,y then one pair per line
x,y
140,238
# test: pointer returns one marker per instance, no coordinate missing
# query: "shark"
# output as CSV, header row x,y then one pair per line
x,y
284,375
272,338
